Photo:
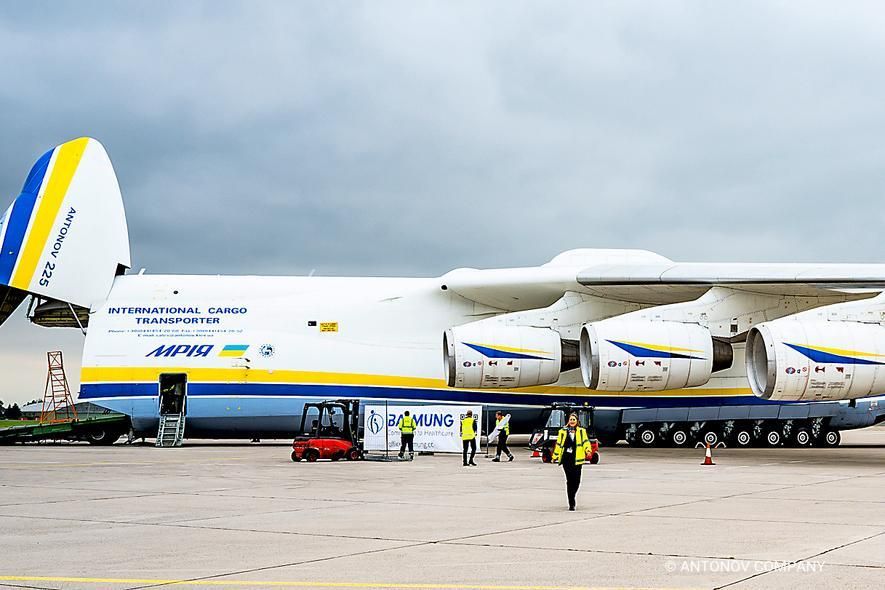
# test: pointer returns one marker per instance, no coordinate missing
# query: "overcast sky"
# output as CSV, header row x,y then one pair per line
x,y
411,138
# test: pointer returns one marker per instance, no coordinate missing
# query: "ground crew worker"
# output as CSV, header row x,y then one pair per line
x,y
469,429
503,434
406,425
572,448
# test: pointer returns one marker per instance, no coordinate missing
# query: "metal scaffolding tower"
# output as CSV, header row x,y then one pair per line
x,y
58,405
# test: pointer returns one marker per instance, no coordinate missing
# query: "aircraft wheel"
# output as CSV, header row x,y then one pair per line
x,y
802,438
743,438
774,438
832,438
647,437
295,457
710,437
311,455
679,438
102,437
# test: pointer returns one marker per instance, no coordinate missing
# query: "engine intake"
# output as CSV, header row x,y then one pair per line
x,y
622,355
798,360
494,356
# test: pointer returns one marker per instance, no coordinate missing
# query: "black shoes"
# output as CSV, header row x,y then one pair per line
x,y
571,508
510,459
496,460
472,464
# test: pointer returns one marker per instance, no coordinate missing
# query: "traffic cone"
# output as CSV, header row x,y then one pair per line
x,y
536,453
708,456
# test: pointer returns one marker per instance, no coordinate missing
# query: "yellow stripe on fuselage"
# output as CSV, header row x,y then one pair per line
x,y
258,376
67,158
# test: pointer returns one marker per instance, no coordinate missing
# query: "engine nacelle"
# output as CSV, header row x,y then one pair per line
x,y
798,360
639,355
494,356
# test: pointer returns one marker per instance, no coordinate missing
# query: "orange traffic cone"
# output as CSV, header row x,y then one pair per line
x,y
708,456
536,453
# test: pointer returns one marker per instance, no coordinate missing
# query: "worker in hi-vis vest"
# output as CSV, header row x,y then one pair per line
x,y
572,448
469,430
407,426
503,434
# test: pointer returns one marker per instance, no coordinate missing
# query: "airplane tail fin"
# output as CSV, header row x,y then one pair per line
x,y
65,237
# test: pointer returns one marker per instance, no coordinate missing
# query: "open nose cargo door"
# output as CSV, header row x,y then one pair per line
x,y
65,237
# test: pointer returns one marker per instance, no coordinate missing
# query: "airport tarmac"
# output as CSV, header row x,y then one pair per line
x,y
223,515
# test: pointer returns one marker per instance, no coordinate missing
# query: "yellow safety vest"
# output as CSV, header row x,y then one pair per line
x,y
468,428
406,424
583,448
506,426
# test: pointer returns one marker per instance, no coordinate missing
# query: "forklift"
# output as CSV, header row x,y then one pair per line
x,y
329,430
543,440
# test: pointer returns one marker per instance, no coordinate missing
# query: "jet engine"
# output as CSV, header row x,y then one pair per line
x,y
641,355
799,360
495,356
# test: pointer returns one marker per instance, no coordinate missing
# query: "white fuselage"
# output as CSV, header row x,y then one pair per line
x,y
254,348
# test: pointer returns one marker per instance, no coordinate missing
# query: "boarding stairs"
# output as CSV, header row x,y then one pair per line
x,y
171,432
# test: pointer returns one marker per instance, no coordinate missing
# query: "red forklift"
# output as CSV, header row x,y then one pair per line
x,y
543,440
329,430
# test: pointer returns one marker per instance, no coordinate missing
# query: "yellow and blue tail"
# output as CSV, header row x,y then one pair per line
x,y
65,237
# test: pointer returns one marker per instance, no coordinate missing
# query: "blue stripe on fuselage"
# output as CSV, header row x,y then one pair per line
x,y
232,391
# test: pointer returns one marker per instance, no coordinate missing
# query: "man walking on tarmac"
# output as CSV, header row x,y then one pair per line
x,y
503,434
406,425
469,429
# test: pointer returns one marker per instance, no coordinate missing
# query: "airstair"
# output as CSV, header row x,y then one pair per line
x,y
171,432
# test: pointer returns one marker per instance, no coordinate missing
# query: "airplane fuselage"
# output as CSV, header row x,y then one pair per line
x,y
254,349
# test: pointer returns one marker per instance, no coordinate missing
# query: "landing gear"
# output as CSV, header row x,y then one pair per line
x,y
679,437
743,438
710,437
773,437
647,437
831,438
802,437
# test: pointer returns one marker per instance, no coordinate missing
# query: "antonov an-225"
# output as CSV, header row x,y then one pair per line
x,y
606,327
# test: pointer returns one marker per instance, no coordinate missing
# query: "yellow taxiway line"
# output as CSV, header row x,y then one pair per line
x,y
294,584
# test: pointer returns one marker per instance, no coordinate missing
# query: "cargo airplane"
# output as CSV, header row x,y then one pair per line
x,y
240,354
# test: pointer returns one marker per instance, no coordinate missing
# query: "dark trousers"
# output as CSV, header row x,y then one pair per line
x,y
572,479
407,440
469,444
502,446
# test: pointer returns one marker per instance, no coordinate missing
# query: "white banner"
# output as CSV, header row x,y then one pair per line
x,y
438,428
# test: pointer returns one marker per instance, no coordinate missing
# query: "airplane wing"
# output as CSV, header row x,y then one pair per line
x,y
647,278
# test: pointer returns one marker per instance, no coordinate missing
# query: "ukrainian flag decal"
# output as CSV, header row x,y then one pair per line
x,y
823,354
508,352
234,350
656,351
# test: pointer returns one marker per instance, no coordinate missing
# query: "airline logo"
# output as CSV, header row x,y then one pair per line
x,y
842,356
234,350
509,352
657,351
190,350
